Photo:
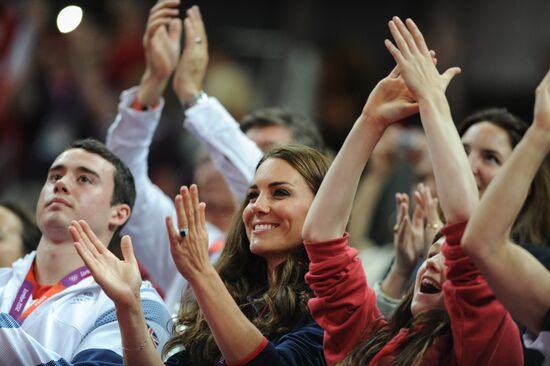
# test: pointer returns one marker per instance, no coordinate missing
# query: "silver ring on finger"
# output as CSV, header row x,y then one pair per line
x,y
198,40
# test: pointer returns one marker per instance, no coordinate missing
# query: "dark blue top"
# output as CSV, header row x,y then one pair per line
x,y
302,346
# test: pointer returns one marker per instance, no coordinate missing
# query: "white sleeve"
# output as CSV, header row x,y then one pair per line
x,y
233,153
105,333
540,342
19,348
130,137
385,303
101,346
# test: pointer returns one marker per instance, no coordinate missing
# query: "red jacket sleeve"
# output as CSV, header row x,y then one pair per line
x,y
344,306
483,330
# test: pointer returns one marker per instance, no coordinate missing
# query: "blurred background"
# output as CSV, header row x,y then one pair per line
x,y
317,58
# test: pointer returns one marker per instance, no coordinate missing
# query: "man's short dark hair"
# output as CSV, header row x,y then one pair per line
x,y
304,131
125,189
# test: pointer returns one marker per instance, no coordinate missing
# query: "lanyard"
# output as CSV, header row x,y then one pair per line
x,y
29,284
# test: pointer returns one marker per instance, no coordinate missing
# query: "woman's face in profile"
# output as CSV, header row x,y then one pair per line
x,y
11,243
278,201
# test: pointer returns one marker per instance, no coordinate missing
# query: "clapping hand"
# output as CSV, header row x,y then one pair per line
x,y
161,43
189,245
414,60
408,238
413,236
430,206
194,58
542,106
119,279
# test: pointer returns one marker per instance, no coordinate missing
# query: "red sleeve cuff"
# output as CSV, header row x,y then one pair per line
x,y
319,251
453,233
136,105
252,355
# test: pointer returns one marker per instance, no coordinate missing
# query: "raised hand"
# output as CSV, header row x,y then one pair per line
x,y
429,205
120,280
541,119
189,245
408,235
414,60
390,101
161,43
194,58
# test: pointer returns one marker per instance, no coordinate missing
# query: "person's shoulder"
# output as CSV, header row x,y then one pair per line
x,y
306,327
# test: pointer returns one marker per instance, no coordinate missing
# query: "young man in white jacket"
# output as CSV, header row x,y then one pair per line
x,y
51,309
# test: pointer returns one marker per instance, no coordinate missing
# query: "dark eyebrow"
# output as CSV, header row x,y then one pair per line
x,y
80,168
56,167
436,246
485,151
272,184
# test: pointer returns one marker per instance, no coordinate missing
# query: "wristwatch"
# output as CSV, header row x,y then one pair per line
x,y
199,98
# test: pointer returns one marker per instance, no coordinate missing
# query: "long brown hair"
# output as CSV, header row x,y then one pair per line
x,y
427,326
531,225
273,303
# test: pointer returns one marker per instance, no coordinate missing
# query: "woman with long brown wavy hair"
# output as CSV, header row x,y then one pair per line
x,y
450,316
252,307
262,268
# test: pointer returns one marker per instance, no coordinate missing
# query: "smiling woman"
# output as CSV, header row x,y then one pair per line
x,y
263,265
251,308
278,200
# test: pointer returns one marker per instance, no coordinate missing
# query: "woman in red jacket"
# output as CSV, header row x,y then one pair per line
x,y
451,316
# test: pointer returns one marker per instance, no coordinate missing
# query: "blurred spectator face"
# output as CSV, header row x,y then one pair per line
x,y
487,146
11,242
215,192
267,137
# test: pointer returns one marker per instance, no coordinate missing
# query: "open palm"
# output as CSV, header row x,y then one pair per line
x,y
390,100
415,61
190,253
161,40
120,280
192,66
542,105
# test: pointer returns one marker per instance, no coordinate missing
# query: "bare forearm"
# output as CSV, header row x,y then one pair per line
x,y
511,272
337,192
150,89
235,335
394,283
455,182
136,342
